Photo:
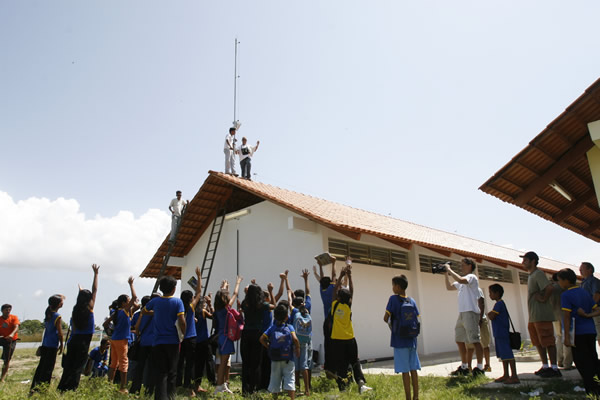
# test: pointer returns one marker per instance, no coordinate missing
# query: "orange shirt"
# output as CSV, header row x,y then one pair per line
x,y
8,325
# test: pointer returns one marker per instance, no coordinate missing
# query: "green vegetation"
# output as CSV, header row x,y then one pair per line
x,y
384,387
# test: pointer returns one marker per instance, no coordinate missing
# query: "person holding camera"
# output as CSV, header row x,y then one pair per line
x,y
246,152
467,325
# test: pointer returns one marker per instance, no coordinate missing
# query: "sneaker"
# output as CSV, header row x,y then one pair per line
x,y
551,373
226,388
364,388
477,371
541,371
460,371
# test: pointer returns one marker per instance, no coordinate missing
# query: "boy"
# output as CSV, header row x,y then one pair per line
x,y
499,318
406,358
302,323
9,326
583,345
327,286
280,338
97,364
168,311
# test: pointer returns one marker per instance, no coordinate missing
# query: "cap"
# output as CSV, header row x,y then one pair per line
x,y
531,255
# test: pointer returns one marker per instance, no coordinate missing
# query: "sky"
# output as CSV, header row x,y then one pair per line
x,y
401,108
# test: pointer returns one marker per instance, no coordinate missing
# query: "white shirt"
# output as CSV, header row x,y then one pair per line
x,y
468,294
251,150
229,139
177,206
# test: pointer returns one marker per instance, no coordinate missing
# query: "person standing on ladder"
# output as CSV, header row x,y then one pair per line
x,y
176,207
229,150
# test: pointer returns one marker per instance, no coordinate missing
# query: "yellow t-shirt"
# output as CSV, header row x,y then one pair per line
x,y
342,322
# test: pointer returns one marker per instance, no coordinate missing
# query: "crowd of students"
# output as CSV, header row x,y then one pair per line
x,y
168,340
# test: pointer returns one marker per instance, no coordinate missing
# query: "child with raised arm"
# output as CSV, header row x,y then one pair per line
x,y
401,314
121,320
204,356
282,343
223,302
168,311
326,284
499,317
302,323
82,329
344,349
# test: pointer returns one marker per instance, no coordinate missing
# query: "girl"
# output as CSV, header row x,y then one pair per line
x,y
204,356
78,344
222,303
145,331
119,344
254,307
188,345
52,343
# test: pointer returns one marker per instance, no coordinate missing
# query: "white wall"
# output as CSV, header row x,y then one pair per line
x,y
267,247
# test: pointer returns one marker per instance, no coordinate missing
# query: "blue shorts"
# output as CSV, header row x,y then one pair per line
x,y
503,350
305,359
282,373
406,359
225,345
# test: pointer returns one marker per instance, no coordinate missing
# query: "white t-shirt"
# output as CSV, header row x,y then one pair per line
x,y
177,206
251,150
468,294
229,139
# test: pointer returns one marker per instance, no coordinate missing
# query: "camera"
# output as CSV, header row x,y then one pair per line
x,y
439,268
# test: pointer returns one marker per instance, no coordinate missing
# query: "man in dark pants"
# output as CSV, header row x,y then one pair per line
x,y
165,349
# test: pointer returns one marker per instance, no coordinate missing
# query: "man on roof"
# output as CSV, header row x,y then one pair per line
x,y
229,150
246,152
176,207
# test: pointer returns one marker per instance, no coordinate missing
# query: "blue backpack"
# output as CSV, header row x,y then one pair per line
x,y
303,327
407,325
280,343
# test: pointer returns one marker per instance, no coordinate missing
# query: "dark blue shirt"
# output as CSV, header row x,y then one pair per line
x,y
327,297
190,323
146,330
201,328
166,310
98,357
500,323
393,308
122,325
87,330
573,299
51,332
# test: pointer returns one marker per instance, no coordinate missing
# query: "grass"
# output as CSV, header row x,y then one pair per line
x,y
384,387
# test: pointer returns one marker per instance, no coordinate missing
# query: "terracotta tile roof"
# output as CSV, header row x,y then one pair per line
x,y
557,154
350,221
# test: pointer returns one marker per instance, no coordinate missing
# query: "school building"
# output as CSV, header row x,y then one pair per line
x,y
258,230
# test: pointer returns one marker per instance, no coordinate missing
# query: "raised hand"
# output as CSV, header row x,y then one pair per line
x,y
95,268
270,286
130,280
305,273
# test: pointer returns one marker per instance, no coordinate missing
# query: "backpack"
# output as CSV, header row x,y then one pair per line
x,y
407,325
234,324
280,343
303,327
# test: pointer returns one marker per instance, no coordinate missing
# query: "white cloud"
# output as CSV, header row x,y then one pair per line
x,y
54,234
38,293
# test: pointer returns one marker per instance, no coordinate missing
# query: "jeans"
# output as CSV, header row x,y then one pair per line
x,y
174,226
246,164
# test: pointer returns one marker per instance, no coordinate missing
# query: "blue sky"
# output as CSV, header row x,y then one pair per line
x,y
401,108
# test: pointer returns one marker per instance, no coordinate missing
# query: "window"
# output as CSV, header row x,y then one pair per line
x,y
495,274
523,277
426,262
370,255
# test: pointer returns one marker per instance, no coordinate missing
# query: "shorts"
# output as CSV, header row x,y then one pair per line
x,y
503,350
8,348
541,333
282,372
305,360
484,330
467,328
225,345
406,359
118,355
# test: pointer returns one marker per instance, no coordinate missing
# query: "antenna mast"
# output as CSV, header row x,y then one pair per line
x,y
236,123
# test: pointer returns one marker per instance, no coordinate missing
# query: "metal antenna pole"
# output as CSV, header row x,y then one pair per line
x,y
235,76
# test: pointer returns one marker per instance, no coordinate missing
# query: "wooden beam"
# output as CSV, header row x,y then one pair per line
x,y
574,206
591,228
345,232
578,150
445,253
401,243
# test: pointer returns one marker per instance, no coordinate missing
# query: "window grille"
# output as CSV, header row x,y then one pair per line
x,y
495,274
370,255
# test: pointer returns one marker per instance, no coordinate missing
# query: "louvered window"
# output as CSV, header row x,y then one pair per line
x,y
370,255
495,274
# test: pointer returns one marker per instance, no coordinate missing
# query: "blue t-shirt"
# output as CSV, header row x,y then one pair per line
x,y
51,332
98,357
87,330
500,323
292,316
201,328
393,309
308,303
146,330
267,319
166,310
573,299
219,318
190,323
122,325
134,321
327,297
